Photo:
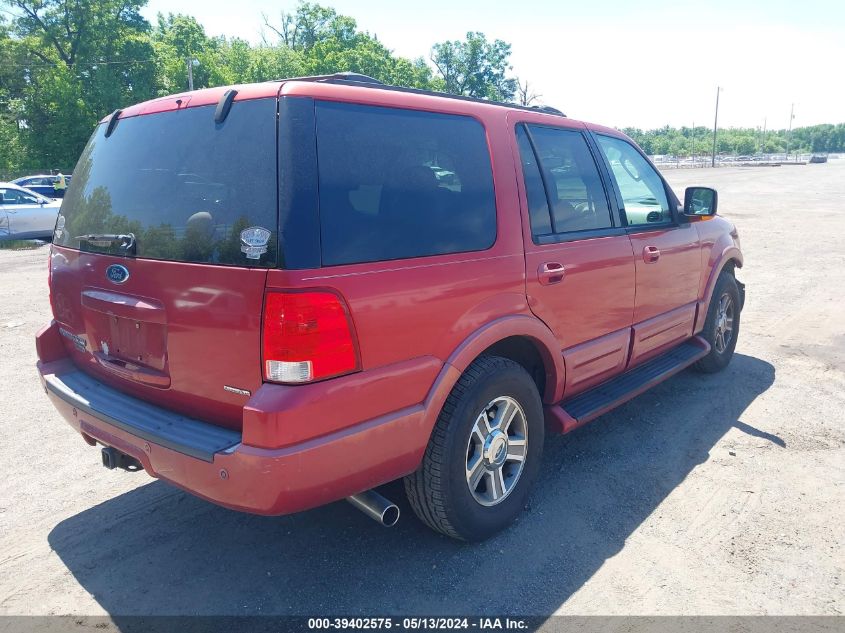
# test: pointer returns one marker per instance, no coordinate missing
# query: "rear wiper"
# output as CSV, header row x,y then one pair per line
x,y
126,241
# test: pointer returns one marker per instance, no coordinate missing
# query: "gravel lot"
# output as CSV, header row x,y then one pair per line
x,y
708,495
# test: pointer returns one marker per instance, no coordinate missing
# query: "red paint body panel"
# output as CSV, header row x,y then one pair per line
x,y
719,247
278,481
595,361
175,333
672,280
659,333
203,322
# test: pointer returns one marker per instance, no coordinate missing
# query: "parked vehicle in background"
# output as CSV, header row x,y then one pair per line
x,y
51,186
284,294
25,214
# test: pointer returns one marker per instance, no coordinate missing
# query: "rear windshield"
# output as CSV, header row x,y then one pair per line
x,y
401,183
185,188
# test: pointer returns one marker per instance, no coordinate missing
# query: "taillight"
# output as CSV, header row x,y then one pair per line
x,y
307,336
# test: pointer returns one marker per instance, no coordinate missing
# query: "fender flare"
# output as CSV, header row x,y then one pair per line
x,y
493,332
730,253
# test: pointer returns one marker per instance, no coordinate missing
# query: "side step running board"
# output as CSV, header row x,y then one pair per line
x,y
609,395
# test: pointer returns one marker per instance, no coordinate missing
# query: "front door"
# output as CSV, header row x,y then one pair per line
x,y
26,216
666,253
579,265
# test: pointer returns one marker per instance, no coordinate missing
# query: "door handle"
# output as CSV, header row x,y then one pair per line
x,y
550,273
651,254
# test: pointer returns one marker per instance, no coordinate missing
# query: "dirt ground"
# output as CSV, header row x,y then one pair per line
x,y
720,494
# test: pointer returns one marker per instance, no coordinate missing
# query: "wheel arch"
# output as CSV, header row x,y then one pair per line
x,y
730,259
523,339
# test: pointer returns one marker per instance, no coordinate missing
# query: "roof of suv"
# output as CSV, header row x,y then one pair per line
x,y
336,86
209,96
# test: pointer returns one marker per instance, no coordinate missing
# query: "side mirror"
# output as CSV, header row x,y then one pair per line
x,y
700,202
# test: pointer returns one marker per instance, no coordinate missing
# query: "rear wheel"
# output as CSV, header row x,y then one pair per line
x,y
721,327
484,452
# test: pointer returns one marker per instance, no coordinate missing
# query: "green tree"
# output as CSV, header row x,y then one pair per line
x,y
325,42
475,67
78,61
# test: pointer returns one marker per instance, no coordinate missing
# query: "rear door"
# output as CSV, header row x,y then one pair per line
x,y
579,266
161,254
666,252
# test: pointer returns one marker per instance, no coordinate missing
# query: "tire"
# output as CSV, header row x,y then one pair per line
x,y
721,349
440,491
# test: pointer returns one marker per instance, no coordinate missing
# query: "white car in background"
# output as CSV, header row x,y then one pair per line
x,y
25,214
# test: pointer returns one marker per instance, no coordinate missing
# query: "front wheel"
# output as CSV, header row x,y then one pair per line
x,y
484,452
721,327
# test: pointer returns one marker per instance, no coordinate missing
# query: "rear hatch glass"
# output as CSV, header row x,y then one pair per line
x,y
184,186
160,257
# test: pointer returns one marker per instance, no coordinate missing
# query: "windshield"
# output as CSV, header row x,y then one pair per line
x,y
185,188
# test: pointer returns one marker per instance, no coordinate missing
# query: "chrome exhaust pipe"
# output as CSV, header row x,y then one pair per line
x,y
376,507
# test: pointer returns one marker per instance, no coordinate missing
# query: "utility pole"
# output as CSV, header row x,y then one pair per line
x,y
715,126
191,62
693,143
763,138
789,133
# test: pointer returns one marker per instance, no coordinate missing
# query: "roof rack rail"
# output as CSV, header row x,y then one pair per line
x,y
548,110
346,75
364,81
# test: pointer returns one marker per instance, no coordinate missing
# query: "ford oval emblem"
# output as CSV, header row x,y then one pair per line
x,y
117,274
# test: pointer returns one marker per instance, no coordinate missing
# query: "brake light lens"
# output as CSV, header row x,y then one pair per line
x,y
307,336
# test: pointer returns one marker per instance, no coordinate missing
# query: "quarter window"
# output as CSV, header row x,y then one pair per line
x,y
538,204
401,183
641,187
571,180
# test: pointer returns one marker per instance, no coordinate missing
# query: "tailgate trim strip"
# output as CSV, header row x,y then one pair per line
x,y
162,427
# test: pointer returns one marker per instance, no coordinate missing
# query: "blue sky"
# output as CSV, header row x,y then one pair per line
x,y
644,63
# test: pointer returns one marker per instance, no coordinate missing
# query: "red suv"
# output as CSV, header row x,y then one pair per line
x,y
279,295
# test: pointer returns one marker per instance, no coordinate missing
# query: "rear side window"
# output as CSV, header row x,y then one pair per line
x,y
401,183
538,205
572,180
182,185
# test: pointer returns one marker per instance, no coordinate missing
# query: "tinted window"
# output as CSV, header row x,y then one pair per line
x,y
572,180
538,204
642,189
401,183
183,185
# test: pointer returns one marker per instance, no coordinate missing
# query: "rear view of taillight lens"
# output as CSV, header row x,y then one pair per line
x,y
307,336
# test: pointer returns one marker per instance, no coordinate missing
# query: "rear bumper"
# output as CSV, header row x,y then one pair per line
x,y
215,464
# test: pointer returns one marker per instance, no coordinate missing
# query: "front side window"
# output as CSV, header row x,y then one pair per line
x,y
572,182
15,196
398,183
643,194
